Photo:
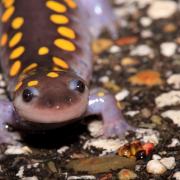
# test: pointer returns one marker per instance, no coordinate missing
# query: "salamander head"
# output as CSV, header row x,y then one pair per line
x,y
54,97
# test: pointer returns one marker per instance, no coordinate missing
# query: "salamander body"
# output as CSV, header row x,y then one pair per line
x,y
46,57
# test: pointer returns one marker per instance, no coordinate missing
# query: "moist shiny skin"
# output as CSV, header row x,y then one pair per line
x,y
46,57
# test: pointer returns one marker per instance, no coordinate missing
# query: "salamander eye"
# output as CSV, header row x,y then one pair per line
x,y
77,85
27,95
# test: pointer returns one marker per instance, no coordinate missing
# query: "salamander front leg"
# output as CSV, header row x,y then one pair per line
x,y
103,103
7,117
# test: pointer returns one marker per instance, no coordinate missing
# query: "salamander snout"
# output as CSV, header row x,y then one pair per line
x,y
52,100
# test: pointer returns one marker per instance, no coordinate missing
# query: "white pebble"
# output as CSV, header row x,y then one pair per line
x,y
146,34
174,80
88,177
30,178
145,21
132,113
122,95
109,145
20,173
176,175
114,49
174,142
2,84
174,115
171,98
156,157
168,49
95,128
162,9
104,79
155,167
169,162
62,149
17,150
142,50
2,91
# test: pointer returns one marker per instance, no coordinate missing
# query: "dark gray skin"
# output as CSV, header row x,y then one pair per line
x,y
58,100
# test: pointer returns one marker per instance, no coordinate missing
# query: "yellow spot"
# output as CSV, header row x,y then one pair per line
x,y
43,51
17,22
101,94
17,52
15,68
7,14
66,32
8,3
4,39
61,63
56,6
71,4
15,39
59,19
30,67
18,85
33,83
52,75
65,44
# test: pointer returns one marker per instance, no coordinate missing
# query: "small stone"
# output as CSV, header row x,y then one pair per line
x,y
146,21
155,167
176,175
17,150
126,174
171,98
156,157
63,149
2,84
146,33
95,128
20,173
162,9
128,61
122,95
142,50
132,113
156,119
170,27
114,49
86,177
174,115
146,77
169,162
52,167
168,49
30,178
174,142
146,113
104,79
2,91
174,80
101,45
124,41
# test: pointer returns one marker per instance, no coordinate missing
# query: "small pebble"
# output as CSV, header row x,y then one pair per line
x,y
174,142
155,167
171,98
104,79
30,178
122,95
95,128
162,9
146,21
146,34
174,115
128,61
20,173
170,27
126,174
176,175
156,119
174,80
63,149
168,49
146,113
88,177
2,91
142,50
114,49
132,113
156,157
14,150
169,162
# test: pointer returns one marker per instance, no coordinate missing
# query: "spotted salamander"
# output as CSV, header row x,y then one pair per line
x,y
46,57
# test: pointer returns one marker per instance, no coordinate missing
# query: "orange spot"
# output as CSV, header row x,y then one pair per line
x,y
56,6
18,85
17,22
66,32
61,63
71,4
43,51
17,52
65,44
33,83
15,39
30,67
146,77
8,3
7,14
52,75
4,39
59,19
15,68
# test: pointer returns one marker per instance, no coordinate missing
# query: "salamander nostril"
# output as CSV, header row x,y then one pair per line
x,y
27,95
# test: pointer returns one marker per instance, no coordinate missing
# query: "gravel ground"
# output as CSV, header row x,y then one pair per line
x,y
142,69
